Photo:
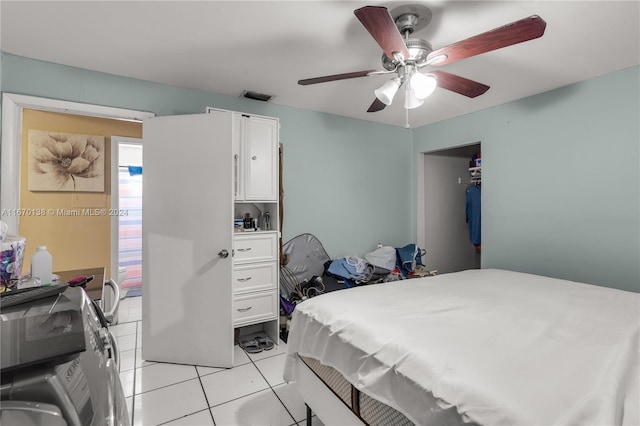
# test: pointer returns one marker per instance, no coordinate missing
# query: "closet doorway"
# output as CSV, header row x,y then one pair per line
x,y
443,228
127,224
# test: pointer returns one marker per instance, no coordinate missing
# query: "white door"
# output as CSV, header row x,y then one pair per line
x,y
187,229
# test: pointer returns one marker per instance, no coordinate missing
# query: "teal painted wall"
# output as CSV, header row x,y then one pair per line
x,y
561,190
561,187
341,176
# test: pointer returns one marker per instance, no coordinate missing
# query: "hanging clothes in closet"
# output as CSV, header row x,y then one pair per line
x,y
473,214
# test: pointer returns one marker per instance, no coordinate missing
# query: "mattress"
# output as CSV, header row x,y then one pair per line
x,y
497,346
371,411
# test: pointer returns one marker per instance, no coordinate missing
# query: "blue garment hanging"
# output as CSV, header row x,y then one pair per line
x,y
473,213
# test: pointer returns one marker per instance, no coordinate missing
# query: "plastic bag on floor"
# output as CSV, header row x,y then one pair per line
x,y
383,257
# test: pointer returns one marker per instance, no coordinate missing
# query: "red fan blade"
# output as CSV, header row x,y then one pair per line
x,y
335,77
379,23
516,32
376,106
460,85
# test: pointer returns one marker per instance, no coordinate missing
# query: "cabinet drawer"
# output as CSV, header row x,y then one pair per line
x,y
255,248
255,307
255,277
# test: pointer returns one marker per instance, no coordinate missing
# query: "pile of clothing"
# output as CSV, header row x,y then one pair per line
x,y
308,271
384,264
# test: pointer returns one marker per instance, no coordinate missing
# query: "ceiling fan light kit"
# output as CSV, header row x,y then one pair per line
x,y
423,85
411,101
387,91
406,56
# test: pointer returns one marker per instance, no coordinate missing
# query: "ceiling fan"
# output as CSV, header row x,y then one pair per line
x,y
405,56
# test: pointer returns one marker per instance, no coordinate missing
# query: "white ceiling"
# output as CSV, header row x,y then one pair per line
x,y
266,46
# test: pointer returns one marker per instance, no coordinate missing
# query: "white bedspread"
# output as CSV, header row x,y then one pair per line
x,y
504,348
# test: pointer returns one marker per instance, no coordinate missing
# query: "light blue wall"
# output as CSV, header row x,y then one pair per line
x,y
345,181
561,190
561,187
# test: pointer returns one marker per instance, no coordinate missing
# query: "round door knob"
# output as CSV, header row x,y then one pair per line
x,y
223,254
254,158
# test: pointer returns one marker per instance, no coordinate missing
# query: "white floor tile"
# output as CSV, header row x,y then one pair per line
x,y
160,374
272,368
203,418
258,409
127,360
135,314
172,394
239,356
138,340
168,403
203,371
233,383
140,362
291,398
131,302
281,348
126,379
129,402
126,343
123,329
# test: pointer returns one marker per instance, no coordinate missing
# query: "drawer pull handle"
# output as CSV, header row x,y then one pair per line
x,y
244,249
244,279
244,309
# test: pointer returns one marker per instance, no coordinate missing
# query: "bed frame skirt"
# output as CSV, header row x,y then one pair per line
x,y
322,400
336,401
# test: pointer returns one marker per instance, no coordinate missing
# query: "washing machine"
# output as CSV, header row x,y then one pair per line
x,y
59,363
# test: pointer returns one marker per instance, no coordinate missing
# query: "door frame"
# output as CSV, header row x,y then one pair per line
x,y
421,187
12,108
115,199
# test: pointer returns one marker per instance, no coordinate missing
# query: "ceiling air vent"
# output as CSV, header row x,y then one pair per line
x,y
255,96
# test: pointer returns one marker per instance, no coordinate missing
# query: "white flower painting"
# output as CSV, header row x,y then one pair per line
x,y
65,162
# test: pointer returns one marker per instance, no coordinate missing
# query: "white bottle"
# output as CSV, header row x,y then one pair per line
x,y
41,265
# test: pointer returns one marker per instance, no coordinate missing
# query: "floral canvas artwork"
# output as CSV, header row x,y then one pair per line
x,y
65,162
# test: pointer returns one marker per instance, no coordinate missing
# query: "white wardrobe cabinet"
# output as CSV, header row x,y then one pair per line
x,y
202,280
255,278
255,157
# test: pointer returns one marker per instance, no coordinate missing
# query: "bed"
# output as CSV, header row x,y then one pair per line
x,y
490,347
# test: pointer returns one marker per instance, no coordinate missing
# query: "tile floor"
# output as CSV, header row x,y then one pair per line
x,y
253,392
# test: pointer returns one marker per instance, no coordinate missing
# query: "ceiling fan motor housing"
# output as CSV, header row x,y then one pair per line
x,y
407,23
418,51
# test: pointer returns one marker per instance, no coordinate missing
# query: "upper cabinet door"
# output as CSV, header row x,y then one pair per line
x,y
261,159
